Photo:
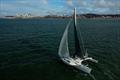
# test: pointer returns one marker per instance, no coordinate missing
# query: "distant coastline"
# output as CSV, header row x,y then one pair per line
x,y
81,16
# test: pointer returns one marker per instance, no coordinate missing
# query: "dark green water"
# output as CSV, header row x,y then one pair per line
x,y
28,49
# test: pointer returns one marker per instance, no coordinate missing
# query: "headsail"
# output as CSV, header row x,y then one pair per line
x,y
63,48
78,51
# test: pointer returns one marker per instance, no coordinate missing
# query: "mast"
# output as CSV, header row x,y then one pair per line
x,y
78,51
75,17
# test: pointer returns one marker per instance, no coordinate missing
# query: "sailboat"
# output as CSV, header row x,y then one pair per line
x,y
78,58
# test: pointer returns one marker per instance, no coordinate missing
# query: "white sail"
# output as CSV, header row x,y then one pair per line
x,y
63,48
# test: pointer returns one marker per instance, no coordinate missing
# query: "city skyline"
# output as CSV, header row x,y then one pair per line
x,y
45,7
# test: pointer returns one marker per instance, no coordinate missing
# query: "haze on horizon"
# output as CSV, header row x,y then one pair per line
x,y
45,7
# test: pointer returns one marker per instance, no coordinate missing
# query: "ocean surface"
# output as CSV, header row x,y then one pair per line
x,y
29,49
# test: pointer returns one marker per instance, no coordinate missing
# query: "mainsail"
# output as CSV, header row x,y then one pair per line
x,y
63,48
78,49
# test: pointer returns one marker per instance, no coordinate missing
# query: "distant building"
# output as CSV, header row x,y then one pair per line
x,y
26,15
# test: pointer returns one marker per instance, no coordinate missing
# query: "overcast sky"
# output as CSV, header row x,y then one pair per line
x,y
44,7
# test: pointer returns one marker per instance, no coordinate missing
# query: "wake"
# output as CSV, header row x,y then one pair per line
x,y
92,76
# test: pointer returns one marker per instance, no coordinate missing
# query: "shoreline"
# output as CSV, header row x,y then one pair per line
x,y
62,18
